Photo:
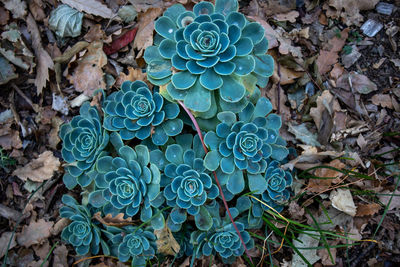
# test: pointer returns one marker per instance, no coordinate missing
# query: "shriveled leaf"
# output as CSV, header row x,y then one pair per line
x,y
60,256
383,100
328,176
343,201
40,169
117,220
144,5
34,233
88,75
290,16
16,7
395,203
348,11
91,7
4,239
166,243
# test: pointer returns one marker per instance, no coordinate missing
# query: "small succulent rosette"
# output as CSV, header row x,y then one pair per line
x,y
81,233
222,238
137,112
133,243
128,184
245,144
211,56
188,184
84,140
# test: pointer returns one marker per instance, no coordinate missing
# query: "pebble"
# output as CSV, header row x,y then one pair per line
x,y
384,8
371,27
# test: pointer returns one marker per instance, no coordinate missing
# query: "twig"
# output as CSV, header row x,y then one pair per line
x,y
27,99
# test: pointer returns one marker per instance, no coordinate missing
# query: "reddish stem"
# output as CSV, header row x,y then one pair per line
x,y
196,125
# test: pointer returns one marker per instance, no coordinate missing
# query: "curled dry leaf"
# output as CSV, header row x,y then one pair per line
x,y
166,243
40,169
290,16
88,75
343,201
383,100
349,11
117,220
34,233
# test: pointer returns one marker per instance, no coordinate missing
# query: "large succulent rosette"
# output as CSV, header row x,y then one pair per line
x,y
188,184
84,139
135,111
245,144
128,184
210,55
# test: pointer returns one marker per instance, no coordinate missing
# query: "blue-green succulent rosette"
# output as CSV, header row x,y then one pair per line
x,y
84,140
133,243
208,58
187,182
245,144
222,238
136,112
83,234
128,184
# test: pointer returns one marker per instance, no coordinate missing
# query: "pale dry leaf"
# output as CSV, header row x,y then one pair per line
x,y
361,142
88,75
117,220
34,233
16,7
326,177
4,239
383,100
144,5
367,209
349,11
387,195
9,138
91,7
337,71
59,226
302,133
325,256
343,201
44,61
40,169
362,83
36,8
166,243
60,256
144,35
4,16
306,241
324,101
290,16
95,34
54,138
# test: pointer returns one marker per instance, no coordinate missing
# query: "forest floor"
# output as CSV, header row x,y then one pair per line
x,y
336,85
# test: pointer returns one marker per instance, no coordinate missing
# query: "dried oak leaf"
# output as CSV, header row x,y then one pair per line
x,y
367,209
39,169
88,75
34,233
60,256
328,176
118,220
166,243
91,7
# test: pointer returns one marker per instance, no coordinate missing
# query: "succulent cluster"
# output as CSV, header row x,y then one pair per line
x,y
140,160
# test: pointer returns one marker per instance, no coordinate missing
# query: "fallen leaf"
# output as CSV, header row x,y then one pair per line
x,y
326,256
301,133
36,8
60,104
42,250
35,233
60,256
16,7
383,100
88,75
395,203
166,243
337,71
94,34
91,7
121,42
396,62
44,61
295,211
7,71
144,5
4,16
118,220
145,26
326,177
367,209
4,239
133,75
306,240
343,201
54,138
271,7
348,11
362,83
40,169
59,226
9,138
290,16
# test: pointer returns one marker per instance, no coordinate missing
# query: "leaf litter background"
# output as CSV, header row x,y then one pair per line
x,y
336,85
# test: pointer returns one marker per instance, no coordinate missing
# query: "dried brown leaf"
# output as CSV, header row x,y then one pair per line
x,y
4,16
44,61
60,256
40,169
36,8
387,195
290,16
144,35
117,220
4,239
166,243
34,233
383,100
88,75
94,34
343,201
91,7
321,185
349,11
133,75
367,209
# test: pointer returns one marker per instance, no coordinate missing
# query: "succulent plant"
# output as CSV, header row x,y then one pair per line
x,y
188,184
135,111
81,233
245,145
210,57
222,237
84,140
128,184
133,243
